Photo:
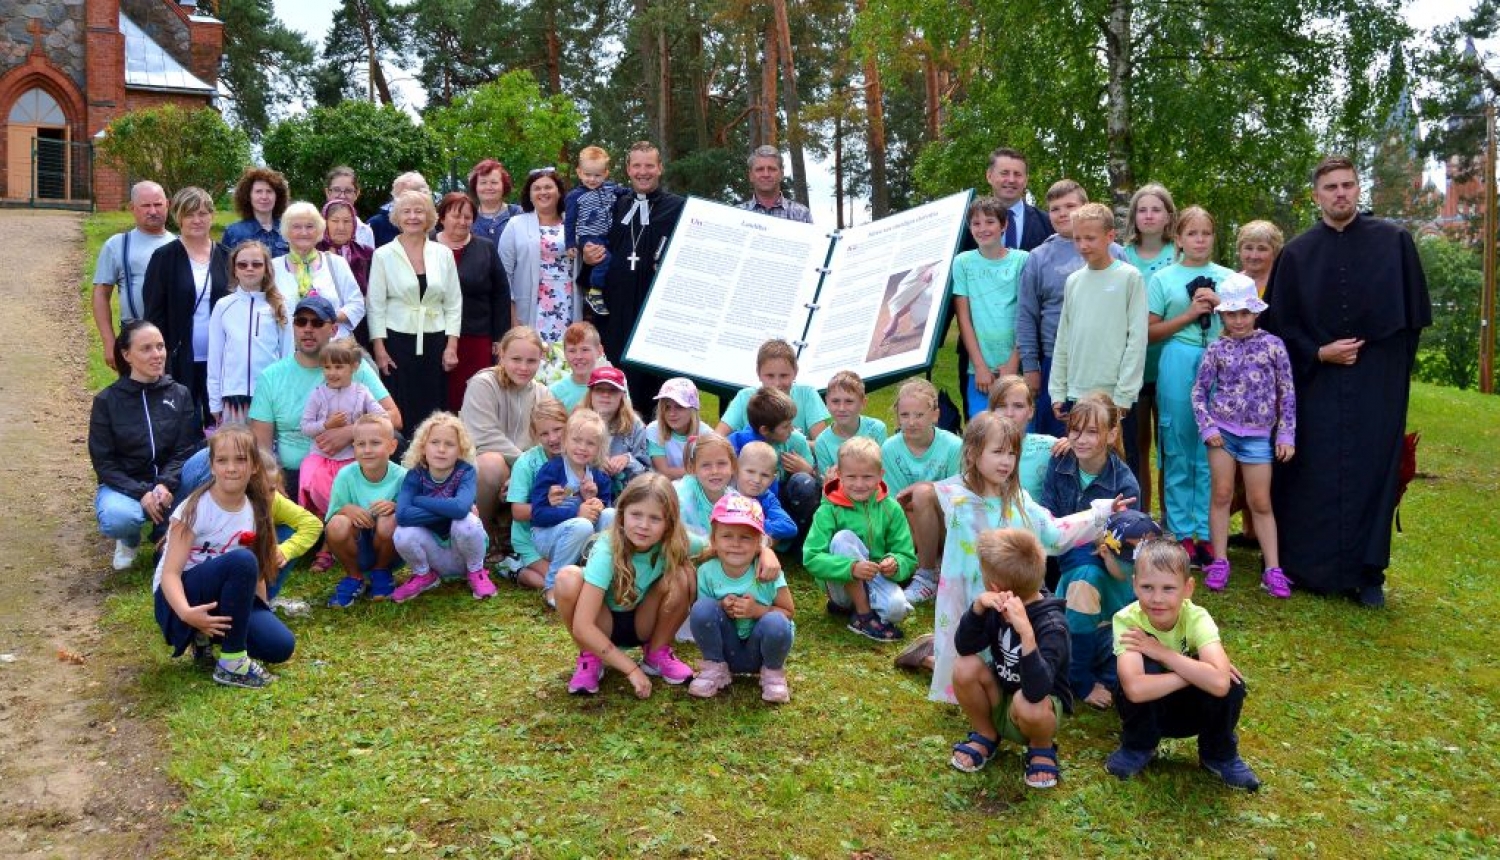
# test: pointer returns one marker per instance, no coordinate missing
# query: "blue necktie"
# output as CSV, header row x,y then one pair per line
x,y
1010,230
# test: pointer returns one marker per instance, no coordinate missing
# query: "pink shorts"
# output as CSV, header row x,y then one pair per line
x,y
315,481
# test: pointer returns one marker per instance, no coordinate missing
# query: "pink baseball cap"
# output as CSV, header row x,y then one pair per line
x,y
736,510
611,376
679,390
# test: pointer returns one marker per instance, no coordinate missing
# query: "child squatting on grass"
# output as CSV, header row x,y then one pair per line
x,y
219,559
1176,680
361,525
436,532
741,622
1021,693
636,591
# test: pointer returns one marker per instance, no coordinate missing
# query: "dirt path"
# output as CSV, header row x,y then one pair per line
x,y
79,775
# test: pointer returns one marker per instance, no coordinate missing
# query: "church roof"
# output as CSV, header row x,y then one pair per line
x,y
148,66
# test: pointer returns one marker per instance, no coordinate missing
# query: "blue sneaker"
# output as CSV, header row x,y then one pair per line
x,y
346,592
382,585
1126,762
1234,772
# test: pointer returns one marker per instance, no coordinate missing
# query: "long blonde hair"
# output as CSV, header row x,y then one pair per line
x,y
982,430
415,458
520,332
260,489
267,277
671,552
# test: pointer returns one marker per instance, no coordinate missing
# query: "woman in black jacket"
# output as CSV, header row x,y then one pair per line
x,y
142,429
183,281
486,305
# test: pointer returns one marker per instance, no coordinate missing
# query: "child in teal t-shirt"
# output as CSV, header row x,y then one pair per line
x,y
741,621
776,365
549,421
914,459
845,398
985,285
361,517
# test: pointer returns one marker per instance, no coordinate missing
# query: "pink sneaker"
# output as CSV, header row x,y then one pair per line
x,y
711,678
323,562
586,677
1275,583
479,582
418,583
773,687
1216,574
666,665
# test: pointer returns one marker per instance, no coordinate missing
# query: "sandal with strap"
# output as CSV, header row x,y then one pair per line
x,y
871,627
1049,773
972,754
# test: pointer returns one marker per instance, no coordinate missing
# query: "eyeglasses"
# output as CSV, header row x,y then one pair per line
x,y
249,265
541,171
343,192
309,322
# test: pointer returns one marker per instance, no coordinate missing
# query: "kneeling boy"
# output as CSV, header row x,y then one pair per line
x,y
362,514
1021,695
1176,680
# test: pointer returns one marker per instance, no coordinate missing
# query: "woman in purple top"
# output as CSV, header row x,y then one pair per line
x,y
1246,409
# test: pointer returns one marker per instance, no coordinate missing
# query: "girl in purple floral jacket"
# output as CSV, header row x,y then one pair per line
x,y
1246,409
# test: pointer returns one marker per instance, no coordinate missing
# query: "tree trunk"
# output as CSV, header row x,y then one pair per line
x,y
699,84
934,96
646,33
1120,63
880,190
377,74
768,88
838,166
554,52
664,93
752,94
793,103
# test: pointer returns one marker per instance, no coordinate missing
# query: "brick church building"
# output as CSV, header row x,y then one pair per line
x,y
68,67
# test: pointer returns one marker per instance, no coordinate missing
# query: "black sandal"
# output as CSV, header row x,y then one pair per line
x,y
870,626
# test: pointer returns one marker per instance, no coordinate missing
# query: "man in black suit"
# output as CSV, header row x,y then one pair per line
x,y
1028,227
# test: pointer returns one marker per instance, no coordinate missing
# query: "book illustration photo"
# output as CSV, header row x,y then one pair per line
x,y
870,298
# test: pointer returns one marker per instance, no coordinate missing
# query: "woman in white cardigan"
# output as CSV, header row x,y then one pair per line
x,y
533,255
305,271
415,308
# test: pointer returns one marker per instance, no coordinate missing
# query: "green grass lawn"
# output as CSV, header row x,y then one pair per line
x,y
442,728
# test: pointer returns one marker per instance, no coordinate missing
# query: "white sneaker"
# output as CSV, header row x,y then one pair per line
x,y
922,588
124,555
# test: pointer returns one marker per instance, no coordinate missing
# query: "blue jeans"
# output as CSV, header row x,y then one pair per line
x,y
1043,421
719,640
119,516
563,543
229,580
800,495
195,474
887,599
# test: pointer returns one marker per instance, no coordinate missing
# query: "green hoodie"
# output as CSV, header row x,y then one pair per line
x,y
879,522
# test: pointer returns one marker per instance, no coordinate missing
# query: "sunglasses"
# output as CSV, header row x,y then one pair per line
x,y
309,322
249,265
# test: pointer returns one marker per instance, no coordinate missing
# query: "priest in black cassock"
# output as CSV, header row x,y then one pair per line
x,y
640,226
1350,300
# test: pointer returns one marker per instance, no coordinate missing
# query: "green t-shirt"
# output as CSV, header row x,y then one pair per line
x,y
991,286
351,487
568,392
1194,628
826,446
649,567
810,408
281,393
715,584
522,476
1167,297
903,468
